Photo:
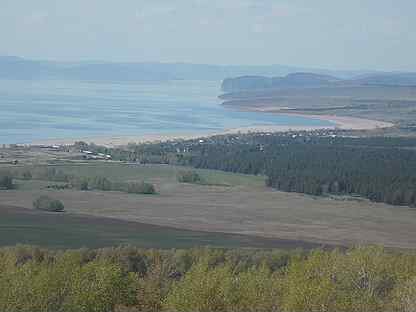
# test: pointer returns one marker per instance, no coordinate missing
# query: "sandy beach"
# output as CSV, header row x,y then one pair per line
x,y
113,141
339,122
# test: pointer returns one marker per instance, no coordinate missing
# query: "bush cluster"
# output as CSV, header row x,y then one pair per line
x,y
140,188
6,181
189,176
46,203
78,182
104,184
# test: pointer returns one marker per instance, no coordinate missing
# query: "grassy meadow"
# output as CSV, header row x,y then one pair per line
x,y
72,230
225,203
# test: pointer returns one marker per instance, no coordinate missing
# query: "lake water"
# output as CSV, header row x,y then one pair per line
x,y
41,110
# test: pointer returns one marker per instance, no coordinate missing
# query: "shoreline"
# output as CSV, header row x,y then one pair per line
x,y
339,123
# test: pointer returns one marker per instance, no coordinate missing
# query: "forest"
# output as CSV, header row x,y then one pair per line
x,y
381,169
127,279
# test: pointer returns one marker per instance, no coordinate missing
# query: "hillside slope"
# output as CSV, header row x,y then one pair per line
x,y
313,80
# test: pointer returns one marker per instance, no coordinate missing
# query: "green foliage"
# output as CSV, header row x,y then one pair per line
x,y
53,174
381,169
127,279
405,296
83,185
27,175
256,290
308,284
44,202
140,188
202,289
6,181
66,284
104,184
189,176
360,280
219,288
365,278
59,186
151,288
98,286
101,183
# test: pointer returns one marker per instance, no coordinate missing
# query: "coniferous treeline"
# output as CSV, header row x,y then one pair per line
x,y
381,169
131,279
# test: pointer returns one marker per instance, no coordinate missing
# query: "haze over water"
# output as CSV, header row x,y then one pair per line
x,y
42,110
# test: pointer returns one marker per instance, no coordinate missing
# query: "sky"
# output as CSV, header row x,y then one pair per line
x,y
333,34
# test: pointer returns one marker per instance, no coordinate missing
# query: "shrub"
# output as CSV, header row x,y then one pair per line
x,y
80,183
6,181
52,174
99,286
83,186
257,290
202,289
27,175
64,284
130,279
151,289
140,188
102,183
189,177
405,296
308,284
359,280
46,203
59,186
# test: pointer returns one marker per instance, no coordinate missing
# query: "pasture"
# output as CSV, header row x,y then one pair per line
x,y
232,203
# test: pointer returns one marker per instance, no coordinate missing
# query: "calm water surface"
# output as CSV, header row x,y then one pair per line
x,y
40,110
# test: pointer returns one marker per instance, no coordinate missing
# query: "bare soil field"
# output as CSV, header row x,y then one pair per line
x,y
65,230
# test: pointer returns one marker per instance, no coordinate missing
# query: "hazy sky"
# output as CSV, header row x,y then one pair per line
x,y
344,34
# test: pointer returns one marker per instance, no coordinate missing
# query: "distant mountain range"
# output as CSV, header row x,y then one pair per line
x,y
311,80
12,67
248,78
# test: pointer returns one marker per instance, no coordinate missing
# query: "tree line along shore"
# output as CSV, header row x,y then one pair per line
x,y
321,162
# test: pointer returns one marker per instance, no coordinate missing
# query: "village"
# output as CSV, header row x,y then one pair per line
x,y
81,151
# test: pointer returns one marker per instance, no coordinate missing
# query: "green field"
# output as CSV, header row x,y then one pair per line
x,y
122,172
